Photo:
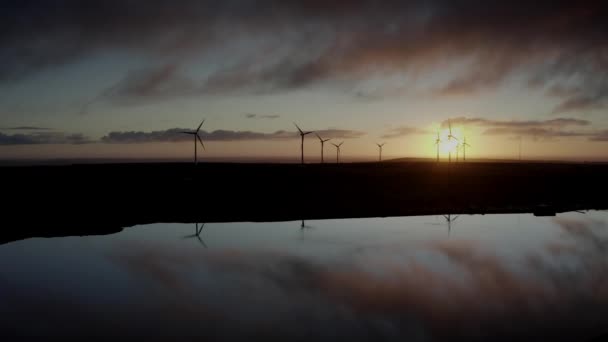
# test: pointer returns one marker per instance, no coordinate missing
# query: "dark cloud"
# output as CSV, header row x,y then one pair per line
x,y
553,123
536,129
296,44
26,128
403,131
262,116
600,136
174,135
43,138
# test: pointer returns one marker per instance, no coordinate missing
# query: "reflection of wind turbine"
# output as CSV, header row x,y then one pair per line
x,y
464,149
197,235
380,150
338,151
323,141
196,136
450,137
302,134
449,220
437,142
303,225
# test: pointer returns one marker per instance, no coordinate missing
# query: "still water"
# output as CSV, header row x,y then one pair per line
x,y
499,277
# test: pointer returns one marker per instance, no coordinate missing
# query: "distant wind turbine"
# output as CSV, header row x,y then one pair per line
x,y
323,141
450,137
338,151
464,149
196,136
437,142
380,150
197,235
520,148
302,134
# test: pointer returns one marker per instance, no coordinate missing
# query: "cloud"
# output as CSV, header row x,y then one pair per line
x,y
26,128
174,135
43,138
600,136
554,123
262,116
269,46
403,131
536,129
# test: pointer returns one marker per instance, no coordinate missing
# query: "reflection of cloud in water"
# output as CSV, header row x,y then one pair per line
x,y
449,290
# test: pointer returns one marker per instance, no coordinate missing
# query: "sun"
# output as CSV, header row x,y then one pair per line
x,y
449,145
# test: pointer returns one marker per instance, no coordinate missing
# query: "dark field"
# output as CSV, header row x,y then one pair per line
x,y
102,199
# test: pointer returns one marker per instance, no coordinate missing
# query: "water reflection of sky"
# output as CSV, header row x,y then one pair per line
x,y
496,276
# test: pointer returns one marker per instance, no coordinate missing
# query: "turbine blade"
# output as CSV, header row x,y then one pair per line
x,y
319,137
187,132
199,126
201,141
306,133
299,129
326,140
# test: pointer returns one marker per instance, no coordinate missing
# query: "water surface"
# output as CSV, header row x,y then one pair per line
x,y
500,277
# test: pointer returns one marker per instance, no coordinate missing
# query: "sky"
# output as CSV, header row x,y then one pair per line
x,y
121,79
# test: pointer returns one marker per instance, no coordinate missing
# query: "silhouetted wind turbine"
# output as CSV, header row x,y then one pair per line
x,y
338,151
437,142
520,148
197,235
323,141
380,150
302,134
196,136
464,149
450,137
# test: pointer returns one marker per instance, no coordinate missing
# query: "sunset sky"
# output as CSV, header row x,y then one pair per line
x,y
117,79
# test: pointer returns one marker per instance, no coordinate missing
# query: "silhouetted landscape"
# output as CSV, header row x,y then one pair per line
x,y
103,199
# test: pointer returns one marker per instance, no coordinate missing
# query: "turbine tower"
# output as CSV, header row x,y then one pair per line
x,y
380,150
196,137
302,134
437,142
450,137
338,151
464,149
323,141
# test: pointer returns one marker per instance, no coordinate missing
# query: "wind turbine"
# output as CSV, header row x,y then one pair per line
x,y
197,234
302,134
338,151
323,141
457,151
437,142
196,136
464,149
450,137
380,148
